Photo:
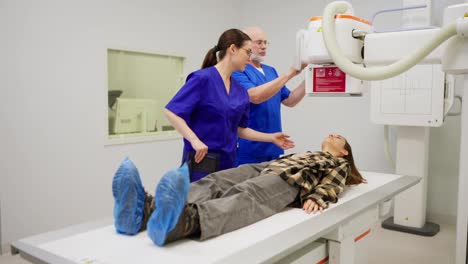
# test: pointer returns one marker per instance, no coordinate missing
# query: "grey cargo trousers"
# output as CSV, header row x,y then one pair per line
x,y
230,199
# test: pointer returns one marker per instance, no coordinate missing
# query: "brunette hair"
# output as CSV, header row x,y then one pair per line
x,y
229,37
354,176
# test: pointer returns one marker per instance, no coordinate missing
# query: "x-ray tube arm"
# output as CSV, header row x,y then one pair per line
x,y
374,73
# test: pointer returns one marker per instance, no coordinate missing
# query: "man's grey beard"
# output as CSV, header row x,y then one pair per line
x,y
255,57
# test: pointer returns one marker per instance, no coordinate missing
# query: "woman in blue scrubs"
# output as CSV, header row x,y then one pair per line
x,y
211,110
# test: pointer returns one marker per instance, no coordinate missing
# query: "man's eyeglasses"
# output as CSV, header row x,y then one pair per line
x,y
248,51
260,42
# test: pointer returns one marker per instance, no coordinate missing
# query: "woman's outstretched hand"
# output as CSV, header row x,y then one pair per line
x,y
282,140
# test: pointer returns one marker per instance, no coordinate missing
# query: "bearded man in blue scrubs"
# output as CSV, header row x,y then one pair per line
x,y
267,91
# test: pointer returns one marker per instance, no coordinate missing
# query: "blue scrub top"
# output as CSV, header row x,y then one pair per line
x,y
264,117
212,114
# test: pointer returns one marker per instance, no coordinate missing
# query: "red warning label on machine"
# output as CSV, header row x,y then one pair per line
x,y
329,80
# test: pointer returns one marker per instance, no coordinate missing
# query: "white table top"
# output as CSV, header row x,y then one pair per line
x,y
264,241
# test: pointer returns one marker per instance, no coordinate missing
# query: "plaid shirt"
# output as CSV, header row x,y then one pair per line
x,y
320,175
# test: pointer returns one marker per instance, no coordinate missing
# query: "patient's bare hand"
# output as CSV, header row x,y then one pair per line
x,y
282,140
311,206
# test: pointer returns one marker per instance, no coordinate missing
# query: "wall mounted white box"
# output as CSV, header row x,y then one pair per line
x,y
414,98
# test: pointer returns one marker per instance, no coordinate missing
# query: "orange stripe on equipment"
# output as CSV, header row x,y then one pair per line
x,y
323,261
361,235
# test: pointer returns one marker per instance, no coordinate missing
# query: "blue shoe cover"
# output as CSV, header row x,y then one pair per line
x,y
129,198
170,198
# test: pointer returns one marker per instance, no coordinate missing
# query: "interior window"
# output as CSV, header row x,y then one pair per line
x,y
139,86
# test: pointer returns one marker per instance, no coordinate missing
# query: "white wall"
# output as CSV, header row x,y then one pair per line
x,y
3,68
56,170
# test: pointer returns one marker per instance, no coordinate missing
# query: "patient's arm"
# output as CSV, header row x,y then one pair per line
x,y
310,206
330,187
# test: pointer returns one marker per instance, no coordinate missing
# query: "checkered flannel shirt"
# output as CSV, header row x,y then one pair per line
x,y
320,175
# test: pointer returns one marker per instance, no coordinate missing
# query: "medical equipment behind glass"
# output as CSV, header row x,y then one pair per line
x,y
134,116
112,96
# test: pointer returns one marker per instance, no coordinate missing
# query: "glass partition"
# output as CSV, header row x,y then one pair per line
x,y
139,86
